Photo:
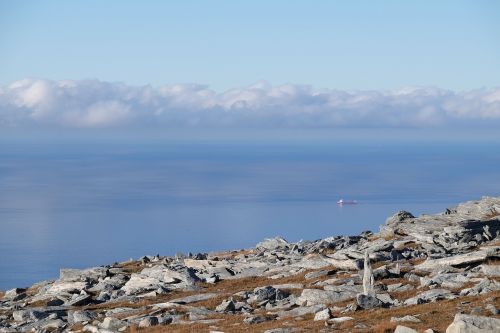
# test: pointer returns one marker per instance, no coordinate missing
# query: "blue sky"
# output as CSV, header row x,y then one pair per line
x,y
226,44
253,64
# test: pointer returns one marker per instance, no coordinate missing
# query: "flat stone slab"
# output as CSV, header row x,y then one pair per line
x,y
461,259
465,323
318,296
194,298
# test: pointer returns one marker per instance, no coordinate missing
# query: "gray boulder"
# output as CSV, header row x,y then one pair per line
x,y
273,243
95,274
113,324
226,306
139,283
15,294
323,315
310,297
473,324
80,316
148,322
29,315
367,301
430,296
404,329
406,318
258,319
461,259
387,230
80,300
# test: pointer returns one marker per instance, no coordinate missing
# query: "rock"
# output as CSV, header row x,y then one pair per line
x,y
300,311
447,280
399,217
80,300
318,274
80,316
267,293
113,324
74,275
490,270
258,319
386,299
387,230
316,296
368,279
492,309
273,244
15,294
28,315
323,315
55,302
65,287
339,320
212,279
226,306
473,324
93,329
194,298
148,322
345,264
165,320
139,283
176,278
53,324
367,301
430,296
398,287
484,286
404,329
476,310
461,259
264,293
407,318
282,330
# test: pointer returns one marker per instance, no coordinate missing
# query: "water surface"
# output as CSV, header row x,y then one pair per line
x,y
81,205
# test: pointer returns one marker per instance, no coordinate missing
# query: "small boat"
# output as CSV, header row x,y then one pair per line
x,y
347,202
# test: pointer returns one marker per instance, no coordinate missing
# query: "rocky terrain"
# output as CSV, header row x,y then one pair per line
x,y
436,273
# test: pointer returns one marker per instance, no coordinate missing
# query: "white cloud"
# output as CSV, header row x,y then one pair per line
x,y
92,103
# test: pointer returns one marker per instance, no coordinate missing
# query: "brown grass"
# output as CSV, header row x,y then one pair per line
x,y
433,315
131,266
2,294
493,214
39,303
437,316
384,327
32,291
409,245
234,324
76,327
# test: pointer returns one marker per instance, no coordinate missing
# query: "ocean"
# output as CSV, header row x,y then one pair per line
x,y
85,204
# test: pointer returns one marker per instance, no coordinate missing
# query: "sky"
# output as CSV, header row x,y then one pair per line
x,y
283,64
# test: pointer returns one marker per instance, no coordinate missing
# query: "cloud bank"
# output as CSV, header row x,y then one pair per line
x,y
97,104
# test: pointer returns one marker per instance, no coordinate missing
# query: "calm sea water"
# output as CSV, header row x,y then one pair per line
x,y
81,205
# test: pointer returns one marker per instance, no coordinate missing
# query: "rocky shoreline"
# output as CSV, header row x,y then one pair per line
x,y
433,273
